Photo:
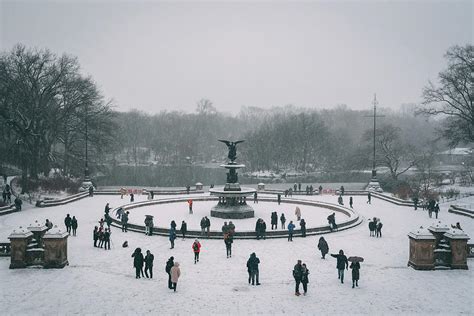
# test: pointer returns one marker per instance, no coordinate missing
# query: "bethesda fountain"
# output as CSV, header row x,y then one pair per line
x,y
232,197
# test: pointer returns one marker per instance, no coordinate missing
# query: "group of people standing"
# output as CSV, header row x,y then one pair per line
x,y
375,227
205,226
139,261
71,224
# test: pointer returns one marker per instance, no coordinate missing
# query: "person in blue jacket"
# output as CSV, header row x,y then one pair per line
x,y
291,228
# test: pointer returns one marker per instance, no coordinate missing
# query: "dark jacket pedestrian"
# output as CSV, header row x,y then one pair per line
x,y
228,240
279,198
252,268
274,220
341,264
305,278
184,228
169,265
282,220
18,203
355,266
378,229
67,223
107,239
372,225
332,221
369,198
138,262
208,225
149,264
255,197
132,197
74,225
172,237
323,247
351,201
303,227
125,221
95,235
91,191
298,275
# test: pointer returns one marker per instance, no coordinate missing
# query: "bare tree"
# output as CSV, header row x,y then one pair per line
x,y
454,96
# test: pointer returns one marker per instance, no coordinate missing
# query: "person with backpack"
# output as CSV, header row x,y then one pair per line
x,y
228,240
196,250
138,262
149,264
169,265
252,268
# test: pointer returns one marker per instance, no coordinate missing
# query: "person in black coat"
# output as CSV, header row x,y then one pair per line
x,y
282,220
351,201
341,263
303,227
107,239
18,203
278,199
74,225
169,265
149,263
95,235
274,220
67,223
305,278
252,268
298,275
372,225
323,247
138,262
132,197
355,266
184,229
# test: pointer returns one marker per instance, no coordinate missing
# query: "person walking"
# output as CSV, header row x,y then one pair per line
x,y
132,197
169,265
282,220
107,208
255,198
304,278
196,250
297,275
172,236
274,220
95,235
252,267
291,228
378,229
175,274
125,221
323,247
228,240
351,201
107,239
342,190
18,202
184,229
436,210
355,266
74,225
138,262
369,198
320,189
279,198
303,227
91,191
149,264
332,221
341,263
67,223
298,213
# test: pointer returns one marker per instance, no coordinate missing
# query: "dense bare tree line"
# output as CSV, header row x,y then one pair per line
x,y
46,104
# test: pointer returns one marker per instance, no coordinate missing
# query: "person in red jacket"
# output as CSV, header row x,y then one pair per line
x,y
190,203
196,249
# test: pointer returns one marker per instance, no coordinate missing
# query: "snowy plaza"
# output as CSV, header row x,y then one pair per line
x,y
103,282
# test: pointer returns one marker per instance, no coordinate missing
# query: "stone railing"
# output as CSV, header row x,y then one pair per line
x,y
353,220
381,196
455,209
66,200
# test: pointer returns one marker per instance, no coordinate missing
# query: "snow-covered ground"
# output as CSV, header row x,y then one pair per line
x,y
103,282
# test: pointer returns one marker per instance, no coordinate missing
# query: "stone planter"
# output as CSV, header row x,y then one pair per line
x,y
422,245
19,243
55,248
458,242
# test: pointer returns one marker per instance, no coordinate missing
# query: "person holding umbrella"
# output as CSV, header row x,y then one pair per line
x,y
355,266
341,263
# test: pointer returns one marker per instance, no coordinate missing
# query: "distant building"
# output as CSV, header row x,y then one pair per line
x,y
456,155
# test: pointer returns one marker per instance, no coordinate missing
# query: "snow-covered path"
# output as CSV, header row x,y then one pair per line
x,y
103,282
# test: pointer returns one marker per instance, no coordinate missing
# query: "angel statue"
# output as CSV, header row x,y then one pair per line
x,y
232,148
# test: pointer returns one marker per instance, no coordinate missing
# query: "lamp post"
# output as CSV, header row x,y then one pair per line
x,y
86,183
374,184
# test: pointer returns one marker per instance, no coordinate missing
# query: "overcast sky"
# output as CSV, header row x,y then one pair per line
x,y
155,56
